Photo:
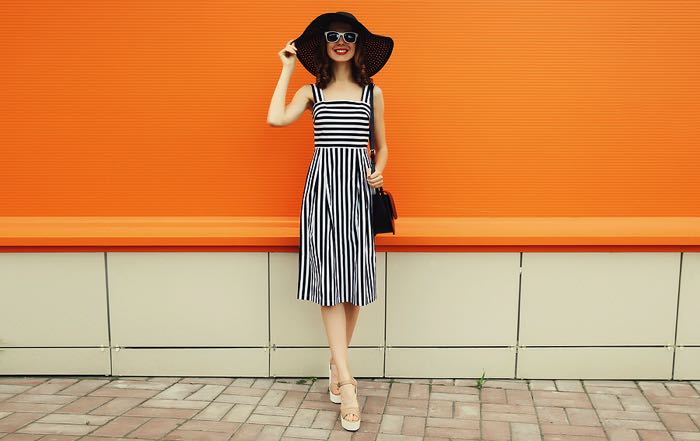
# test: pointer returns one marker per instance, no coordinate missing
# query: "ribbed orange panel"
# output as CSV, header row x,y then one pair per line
x,y
528,108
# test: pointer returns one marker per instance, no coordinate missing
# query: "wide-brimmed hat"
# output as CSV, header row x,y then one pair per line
x,y
377,48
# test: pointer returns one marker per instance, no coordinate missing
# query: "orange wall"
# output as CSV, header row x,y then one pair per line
x,y
492,107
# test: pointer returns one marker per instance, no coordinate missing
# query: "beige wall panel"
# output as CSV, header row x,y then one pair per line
x,y
188,299
595,363
54,361
53,299
450,362
307,362
689,301
222,362
599,298
452,299
687,365
298,322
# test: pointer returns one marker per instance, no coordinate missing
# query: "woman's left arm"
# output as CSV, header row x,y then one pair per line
x,y
381,150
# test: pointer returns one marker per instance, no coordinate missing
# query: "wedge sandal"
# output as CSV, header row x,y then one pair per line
x,y
346,410
335,398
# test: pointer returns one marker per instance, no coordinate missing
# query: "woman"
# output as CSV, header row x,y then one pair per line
x,y
337,260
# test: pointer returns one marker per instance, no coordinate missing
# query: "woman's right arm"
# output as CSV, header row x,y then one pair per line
x,y
279,114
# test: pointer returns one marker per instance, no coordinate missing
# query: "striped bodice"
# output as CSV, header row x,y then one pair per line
x,y
341,123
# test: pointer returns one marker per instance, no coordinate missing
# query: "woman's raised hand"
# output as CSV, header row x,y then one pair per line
x,y
288,55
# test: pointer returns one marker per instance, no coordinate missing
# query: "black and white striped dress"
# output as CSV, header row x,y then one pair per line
x,y
337,260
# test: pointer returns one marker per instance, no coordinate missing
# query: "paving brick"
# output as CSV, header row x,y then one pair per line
x,y
248,382
59,429
419,392
156,428
207,393
678,389
307,433
606,402
567,429
214,411
466,410
678,422
83,387
391,424
582,417
517,396
246,391
270,433
542,385
469,398
393,437
9,406
273,397
210,426
622,434
452,433
340,435
247,432
115,406
190,435
289,386
413,426
495,396
627,415
304,417
292,398
632,424
278,420
551,415
686,436
525,432
158,412
84,404
512,417
569,385
14,421
495,430
654,435
66,418
327,419
119,426
452,422
123,393
52,386
239,413
635,403
507,408
654,389
440,409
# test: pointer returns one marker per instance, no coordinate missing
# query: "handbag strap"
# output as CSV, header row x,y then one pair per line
x,y
371,123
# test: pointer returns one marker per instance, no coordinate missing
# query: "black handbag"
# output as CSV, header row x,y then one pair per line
x,y
383,206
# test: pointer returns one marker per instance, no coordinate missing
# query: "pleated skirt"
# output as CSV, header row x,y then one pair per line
x,y
337,259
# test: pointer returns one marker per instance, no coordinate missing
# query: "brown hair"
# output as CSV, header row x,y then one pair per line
x,y
357,67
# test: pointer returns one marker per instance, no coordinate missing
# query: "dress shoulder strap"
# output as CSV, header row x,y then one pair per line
x,y
318,93
365,93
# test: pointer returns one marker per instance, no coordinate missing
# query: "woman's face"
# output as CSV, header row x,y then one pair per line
x,y
340,50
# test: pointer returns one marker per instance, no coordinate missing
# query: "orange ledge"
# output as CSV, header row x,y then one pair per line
x,y
125,233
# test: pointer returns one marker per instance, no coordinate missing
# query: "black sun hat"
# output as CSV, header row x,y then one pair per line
x,y
377,47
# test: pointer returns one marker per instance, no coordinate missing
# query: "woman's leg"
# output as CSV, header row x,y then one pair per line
x,y
339,321
352,312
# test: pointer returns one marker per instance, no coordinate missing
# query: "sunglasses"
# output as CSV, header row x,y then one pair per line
x,y
333,36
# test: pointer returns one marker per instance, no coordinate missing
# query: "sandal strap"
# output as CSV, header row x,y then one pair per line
x,y
344,382
350,409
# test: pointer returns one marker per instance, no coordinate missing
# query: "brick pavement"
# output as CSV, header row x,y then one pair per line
x,y
217,409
